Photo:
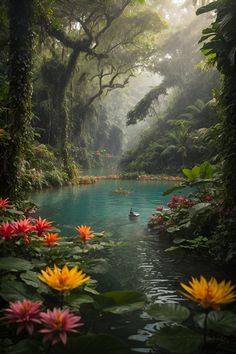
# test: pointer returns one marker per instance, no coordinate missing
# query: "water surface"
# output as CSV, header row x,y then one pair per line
x,y
143,264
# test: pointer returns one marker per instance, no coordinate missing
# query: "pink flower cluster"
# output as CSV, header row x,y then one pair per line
x,y
180,202
23,228
56,323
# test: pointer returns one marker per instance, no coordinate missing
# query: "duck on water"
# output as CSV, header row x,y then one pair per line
x,y
133,214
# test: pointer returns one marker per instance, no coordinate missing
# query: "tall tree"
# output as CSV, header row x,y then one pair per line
x,y
20,91
220,49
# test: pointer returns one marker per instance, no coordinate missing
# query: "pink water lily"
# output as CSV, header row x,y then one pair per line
x,y
24,314
57,324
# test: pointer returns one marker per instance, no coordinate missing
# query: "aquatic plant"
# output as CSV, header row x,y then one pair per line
x,y
185,331
121,191
85,232
209,293
63,279
50,239
25,314
57,324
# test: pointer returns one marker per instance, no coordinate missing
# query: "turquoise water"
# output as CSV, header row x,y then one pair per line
x,y
142,264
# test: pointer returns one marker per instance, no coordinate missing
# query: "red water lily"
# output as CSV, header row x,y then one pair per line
x,y
4,203
42,225
6,230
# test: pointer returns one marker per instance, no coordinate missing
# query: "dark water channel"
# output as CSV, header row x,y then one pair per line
x,y
142,264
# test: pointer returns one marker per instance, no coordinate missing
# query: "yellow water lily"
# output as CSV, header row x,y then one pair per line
x,y
209,293
63,279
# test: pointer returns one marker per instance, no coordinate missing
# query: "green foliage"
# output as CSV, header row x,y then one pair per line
x,y
120,302
177,339
223,322
141,110
169,312
14,264
121,191
204,171
220,48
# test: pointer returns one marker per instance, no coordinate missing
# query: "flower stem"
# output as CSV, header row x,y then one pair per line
x,y
61,300
205,328
49,348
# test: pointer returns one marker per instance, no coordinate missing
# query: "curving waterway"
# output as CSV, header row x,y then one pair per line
x,y
143,263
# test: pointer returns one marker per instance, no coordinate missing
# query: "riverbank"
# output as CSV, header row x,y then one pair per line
x,y
141,177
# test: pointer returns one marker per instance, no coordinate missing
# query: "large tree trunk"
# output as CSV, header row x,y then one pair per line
x,y
63,111
229,135
20,92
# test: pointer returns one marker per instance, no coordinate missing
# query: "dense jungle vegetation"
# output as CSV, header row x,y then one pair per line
x,y
145,86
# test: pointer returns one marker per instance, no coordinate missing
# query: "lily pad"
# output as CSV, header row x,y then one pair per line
x,y
176,339
169,312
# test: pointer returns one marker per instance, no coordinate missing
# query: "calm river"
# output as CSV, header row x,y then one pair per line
x,y
142,264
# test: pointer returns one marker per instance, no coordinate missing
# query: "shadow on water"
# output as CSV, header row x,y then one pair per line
x,y
142,264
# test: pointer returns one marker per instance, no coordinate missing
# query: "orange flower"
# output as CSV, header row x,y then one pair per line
x,y
209,293
51,239
85,232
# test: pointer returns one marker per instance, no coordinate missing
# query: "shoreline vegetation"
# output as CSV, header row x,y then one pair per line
x,y
128,176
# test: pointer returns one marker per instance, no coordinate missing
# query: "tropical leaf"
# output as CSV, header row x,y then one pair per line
x,y
15,264
31,278
15,290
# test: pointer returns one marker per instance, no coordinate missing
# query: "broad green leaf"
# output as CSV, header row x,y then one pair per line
x,y
92,344
15,290
31,278
199,207
75,300
223,322
188,173
206,170
196,172
119,302
176,339
15,264
169,312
